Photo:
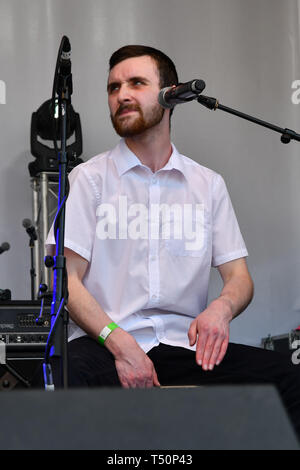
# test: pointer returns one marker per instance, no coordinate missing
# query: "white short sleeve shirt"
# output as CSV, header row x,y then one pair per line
x,y
150,240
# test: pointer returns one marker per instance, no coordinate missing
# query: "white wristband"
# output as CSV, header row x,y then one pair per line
x,y
106,331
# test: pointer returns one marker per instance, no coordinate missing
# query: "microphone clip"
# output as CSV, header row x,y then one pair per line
x,y
64,86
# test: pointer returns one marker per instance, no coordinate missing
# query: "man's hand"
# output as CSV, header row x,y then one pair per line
x,y
135,369
211,328
211,331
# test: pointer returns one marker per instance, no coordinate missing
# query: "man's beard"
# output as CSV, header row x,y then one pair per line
x,y
128,127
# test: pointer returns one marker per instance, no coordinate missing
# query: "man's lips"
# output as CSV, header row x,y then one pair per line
x,y
126,111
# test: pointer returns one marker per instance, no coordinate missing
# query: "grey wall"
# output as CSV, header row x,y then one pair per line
x,y
248,54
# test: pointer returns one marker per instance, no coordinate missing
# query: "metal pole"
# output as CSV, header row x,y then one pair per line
x,y
35,213
46,274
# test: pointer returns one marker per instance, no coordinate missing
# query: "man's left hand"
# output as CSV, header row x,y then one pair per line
x,y
211,331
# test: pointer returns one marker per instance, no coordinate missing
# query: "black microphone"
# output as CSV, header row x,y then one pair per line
x,y
65,58
170,96
63,83
30,229
4,247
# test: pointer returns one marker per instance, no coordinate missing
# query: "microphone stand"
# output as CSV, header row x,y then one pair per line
x,y
32,270
58,336
212,103
286,134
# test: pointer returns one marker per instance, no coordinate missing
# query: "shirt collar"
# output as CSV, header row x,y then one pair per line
x,y
125,159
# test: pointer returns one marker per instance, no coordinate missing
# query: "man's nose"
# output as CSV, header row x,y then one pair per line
x,y
124,94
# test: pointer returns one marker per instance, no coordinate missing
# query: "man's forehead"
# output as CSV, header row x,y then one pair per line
x,y
134,66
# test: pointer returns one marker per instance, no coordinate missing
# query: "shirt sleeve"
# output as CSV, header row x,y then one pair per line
x,y
227,240
80,215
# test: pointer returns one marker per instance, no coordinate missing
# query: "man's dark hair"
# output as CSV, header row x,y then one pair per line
x,y
166,68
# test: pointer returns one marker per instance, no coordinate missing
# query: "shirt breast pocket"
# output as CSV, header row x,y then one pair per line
x,y
186,233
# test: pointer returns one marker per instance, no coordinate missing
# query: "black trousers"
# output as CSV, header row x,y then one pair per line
x,y
92,365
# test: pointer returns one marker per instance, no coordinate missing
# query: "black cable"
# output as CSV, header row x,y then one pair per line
x,y
52,330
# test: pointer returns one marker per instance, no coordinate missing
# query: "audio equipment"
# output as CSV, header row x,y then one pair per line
x,y
23,337
20,325
182,93
282,343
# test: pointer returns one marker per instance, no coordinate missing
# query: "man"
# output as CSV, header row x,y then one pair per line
x,y
144,225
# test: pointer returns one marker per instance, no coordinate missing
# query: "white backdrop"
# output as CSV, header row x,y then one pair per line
x,y
248,54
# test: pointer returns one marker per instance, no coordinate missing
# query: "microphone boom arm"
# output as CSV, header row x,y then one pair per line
x,y
212,103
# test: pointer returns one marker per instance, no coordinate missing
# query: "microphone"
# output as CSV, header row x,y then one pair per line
x,y
4,247
65,58
170,96
63,84
30,229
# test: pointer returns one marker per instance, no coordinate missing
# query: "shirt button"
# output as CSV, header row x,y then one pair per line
x,y
154,296
153,258
154,180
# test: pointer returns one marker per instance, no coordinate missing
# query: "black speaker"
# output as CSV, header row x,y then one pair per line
x,y
210,417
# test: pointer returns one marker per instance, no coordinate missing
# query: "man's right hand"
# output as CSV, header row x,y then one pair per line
x,y
135,369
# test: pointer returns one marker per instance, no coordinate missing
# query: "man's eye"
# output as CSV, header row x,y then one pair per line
x,y
113,88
